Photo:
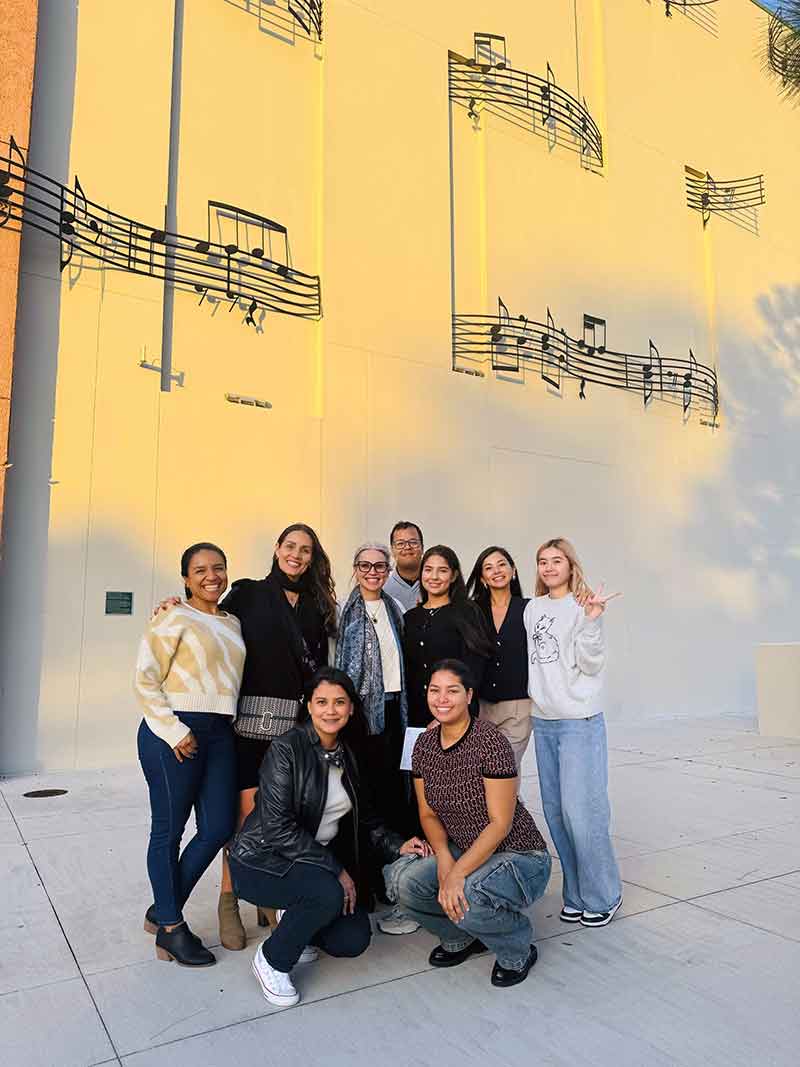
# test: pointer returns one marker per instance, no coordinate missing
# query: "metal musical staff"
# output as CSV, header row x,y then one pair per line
x,y
709,195
243,268
514,345
487,81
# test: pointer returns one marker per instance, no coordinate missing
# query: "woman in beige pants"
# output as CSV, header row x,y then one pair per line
x,y
504,700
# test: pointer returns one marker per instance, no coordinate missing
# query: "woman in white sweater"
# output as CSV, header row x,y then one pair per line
x,y
188,674
566,665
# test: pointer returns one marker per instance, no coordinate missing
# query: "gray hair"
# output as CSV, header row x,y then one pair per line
x,y
376,546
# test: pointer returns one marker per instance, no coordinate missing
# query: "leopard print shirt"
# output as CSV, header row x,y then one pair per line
x,y
454,790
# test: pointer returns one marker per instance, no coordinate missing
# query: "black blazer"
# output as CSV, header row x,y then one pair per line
x,y
292,789
272,667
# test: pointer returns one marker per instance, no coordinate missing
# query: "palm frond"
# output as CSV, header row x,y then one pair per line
x,y
782,58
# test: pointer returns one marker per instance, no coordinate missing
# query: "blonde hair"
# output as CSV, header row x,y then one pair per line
x,y
577,581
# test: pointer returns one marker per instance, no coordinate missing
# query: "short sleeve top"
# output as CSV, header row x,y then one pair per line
x,y
454,785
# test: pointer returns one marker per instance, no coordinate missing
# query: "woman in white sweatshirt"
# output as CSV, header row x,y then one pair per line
x,y
566,665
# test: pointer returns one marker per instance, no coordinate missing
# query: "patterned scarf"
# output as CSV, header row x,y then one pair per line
x,y
358,653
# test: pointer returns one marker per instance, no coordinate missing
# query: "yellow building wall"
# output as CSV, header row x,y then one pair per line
x,y
401,204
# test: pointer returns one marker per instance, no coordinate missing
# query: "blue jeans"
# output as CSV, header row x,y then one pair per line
x,y
207,783
572,760
313,899
496,893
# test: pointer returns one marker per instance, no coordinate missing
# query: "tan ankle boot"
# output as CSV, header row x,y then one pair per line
x,y
231,931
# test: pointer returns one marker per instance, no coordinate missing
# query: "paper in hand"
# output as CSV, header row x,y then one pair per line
x,y
412,733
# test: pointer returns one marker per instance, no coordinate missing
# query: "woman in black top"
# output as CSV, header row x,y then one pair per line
x,y
286,619
504,701
445,625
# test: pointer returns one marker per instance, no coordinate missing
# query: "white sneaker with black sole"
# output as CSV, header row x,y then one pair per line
x,y
276,986
600,918
309,953
395,922
570,915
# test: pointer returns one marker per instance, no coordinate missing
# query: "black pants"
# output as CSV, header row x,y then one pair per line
x,y
313,898
389,786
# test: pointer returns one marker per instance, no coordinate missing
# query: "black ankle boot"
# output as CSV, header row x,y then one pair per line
x,y
183,946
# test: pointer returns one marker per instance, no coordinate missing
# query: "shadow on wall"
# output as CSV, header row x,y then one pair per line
x,y
750,569
27,510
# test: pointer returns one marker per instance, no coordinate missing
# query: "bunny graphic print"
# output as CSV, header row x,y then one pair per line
x,y
545,644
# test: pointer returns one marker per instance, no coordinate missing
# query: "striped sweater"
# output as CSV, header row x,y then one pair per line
x,y
188,661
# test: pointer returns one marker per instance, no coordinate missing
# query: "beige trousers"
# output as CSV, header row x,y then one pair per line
x,y
513,719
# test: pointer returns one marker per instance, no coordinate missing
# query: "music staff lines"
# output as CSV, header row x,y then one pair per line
x,y
308,13
239,268
513,345
708,195
487,81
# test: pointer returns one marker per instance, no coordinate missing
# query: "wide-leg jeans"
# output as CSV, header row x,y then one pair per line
x,y
207,783
572,761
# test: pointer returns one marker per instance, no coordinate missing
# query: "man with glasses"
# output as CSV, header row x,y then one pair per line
x,y
407,545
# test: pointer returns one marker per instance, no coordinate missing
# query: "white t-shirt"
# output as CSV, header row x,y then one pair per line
x,y
337,805
390,651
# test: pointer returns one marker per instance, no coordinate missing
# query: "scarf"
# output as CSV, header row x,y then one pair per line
x,y
358,653
302,620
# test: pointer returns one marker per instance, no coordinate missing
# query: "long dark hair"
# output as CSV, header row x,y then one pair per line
x,y
475,587
469,621
320,578
191,552
356,731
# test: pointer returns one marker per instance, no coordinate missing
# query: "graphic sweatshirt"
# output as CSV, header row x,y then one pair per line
x,y
566,658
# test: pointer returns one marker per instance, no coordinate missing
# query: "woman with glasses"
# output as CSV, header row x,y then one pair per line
x,y
369,649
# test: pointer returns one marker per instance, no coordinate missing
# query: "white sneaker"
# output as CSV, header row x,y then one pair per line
x,y
309,953
276,986
395,922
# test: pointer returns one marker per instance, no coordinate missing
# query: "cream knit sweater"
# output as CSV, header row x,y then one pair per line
x,y
188,661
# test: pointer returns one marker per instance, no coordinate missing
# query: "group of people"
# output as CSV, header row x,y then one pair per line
x,y
280,717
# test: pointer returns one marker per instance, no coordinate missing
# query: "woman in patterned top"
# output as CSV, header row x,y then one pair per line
x,y
490,861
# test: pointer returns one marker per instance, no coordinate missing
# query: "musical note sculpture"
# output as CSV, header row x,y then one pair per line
x,y
783,50
513,345
242,268
487,80
707,195
701,12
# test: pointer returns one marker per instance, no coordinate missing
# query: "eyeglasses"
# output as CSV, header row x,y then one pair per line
x,y
363,567
406,544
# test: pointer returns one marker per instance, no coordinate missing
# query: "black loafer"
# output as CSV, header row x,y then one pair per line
x,y
440,957
502,976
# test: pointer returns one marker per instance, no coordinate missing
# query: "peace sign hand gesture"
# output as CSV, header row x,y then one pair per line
x,y
594,604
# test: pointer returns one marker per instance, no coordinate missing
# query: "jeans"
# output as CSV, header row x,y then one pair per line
x,y
572,760
313,898
496,893
207,783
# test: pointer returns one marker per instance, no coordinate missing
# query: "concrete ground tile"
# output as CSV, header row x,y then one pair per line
x,y
791,879
32,948
694,984
54,1025
773,905
99,887
782,761
721,769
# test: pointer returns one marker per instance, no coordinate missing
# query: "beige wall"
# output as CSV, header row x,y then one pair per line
x,y
348,144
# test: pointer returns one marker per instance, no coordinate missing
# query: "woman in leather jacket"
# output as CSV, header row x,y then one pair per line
x,y
301,848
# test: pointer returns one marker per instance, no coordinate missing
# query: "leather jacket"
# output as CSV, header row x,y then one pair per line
x,y
292,789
